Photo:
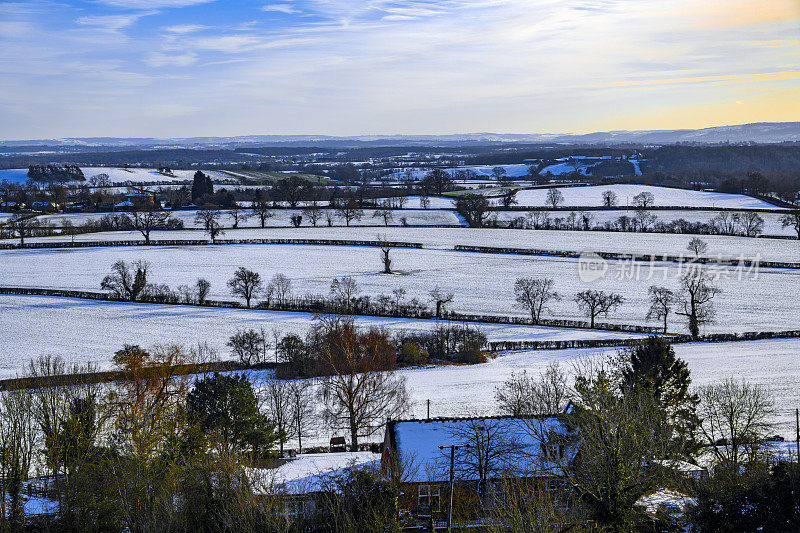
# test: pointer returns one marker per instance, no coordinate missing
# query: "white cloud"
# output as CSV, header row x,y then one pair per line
x,y
182,29
152,4
113,22
280,8
157,59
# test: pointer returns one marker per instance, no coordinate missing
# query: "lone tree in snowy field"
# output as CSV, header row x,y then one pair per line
x,y
593,303
209,218
533,294
609,198
238,216
697,246
126,282
386,214
147,219
554,198
792,220
499,173
661,302
440,298
385,249
201,186
261,206
643,200
245,283
350,211
697,293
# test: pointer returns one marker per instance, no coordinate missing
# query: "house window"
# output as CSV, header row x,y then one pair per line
x,y
429,499
555,452
294,509
495,494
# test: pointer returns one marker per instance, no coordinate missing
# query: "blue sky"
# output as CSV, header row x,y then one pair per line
x,y
167,68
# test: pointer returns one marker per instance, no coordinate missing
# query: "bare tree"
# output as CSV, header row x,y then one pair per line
x,y
489,448
385,249
202,286
752,225
343,291
22,226
424,201
209,218
527,395
697,246
593,303
360,393
350,211
440,298
147,218
261,207
643,200
661,302
644,219
249,346
245,283
314,214
385,213
280,287
792,220
238,215
398,293
126,282
736,418
303,413
538,219
609,198
554,198
278,398
696,295
533,294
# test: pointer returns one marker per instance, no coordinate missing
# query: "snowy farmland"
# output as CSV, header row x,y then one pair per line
x,y
447,238
81,331
469,390
592,195
482,282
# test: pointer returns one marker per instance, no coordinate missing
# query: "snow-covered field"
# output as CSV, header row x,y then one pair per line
x,y
447,238
592,195
482,283
282,217
772,221
85,330
469,390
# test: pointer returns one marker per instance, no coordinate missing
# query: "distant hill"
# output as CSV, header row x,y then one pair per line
x,y
761,132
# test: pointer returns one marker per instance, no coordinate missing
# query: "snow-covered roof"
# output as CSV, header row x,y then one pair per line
x,y
423,445
310,472
670,501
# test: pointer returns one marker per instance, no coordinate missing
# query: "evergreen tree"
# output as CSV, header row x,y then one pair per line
x,y
654,366
201,186
226,407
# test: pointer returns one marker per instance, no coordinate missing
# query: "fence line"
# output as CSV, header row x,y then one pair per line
x,y
194,242
620,256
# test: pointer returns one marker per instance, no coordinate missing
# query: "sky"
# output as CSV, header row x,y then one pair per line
x,y
181,68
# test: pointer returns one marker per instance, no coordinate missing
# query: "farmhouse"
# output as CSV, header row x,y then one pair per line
x,y
477,457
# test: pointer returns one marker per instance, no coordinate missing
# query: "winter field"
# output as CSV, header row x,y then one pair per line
x,y
592,195
83,331
469,390
483,283
448,238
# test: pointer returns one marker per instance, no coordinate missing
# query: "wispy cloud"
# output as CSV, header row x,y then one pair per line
x,y
182,29
113,22
287,9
